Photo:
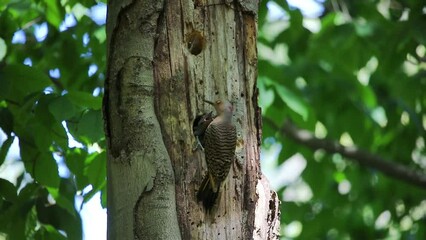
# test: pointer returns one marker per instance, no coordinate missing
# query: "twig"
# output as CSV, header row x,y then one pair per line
x,y
390,168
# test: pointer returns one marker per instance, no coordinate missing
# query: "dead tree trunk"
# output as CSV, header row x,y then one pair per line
x,y
164,58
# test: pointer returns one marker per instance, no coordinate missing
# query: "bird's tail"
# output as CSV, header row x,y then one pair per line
x,y
207,192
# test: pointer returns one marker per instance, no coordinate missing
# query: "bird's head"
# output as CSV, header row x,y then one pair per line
x,y
224,108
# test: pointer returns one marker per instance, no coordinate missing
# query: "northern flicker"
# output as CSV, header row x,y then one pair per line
x,y
220,139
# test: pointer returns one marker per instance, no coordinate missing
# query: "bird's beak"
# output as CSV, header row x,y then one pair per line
x,y
207,101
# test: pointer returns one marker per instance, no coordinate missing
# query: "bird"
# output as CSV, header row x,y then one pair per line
x,y
199,127
220,139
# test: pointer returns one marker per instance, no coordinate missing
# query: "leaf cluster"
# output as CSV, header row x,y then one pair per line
x,y
51,85
355,74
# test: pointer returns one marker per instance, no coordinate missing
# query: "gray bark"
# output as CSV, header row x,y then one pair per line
x,y
141,190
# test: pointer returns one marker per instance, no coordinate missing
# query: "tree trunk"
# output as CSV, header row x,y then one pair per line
x,y
164,58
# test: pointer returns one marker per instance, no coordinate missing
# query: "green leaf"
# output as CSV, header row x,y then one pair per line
x,y
15,218
85,100
100,34
48,232
266,96
45,170
365,29
18,81
293,101
59,135
96,171
5,149
41,135
89,195
339,176
368,97
65,196
8,25
3,49
54,12
75,160
104,196
90,126
78,10
7,190
6,121
42,113
53,129
59,218
62,108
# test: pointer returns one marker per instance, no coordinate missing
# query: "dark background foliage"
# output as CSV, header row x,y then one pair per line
x,y
51,83
354,74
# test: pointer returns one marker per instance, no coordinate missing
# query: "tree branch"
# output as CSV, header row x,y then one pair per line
x,y
390,168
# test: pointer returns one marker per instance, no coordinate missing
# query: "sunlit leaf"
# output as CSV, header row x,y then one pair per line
x,y
3,49
267,96
100,34
294,102
54,12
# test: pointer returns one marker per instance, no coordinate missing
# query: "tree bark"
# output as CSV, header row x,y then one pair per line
x,y
164,58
